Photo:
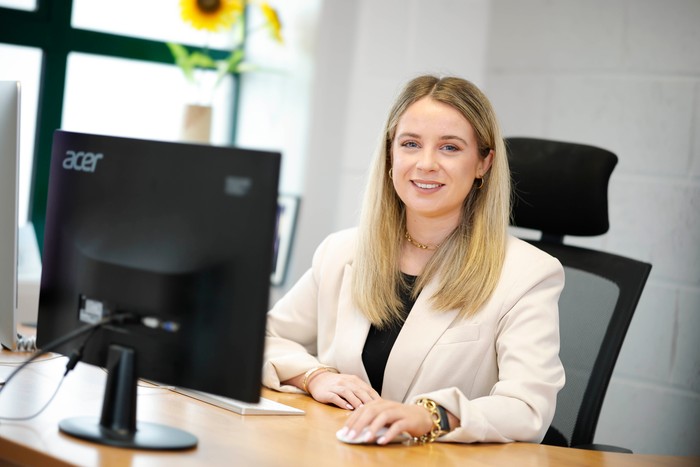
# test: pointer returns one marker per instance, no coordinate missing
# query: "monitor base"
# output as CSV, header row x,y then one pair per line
x,y
118,425
151,436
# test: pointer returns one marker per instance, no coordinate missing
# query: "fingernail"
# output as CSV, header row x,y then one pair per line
x,y
381,440
367,436
342,432
352,434
350,407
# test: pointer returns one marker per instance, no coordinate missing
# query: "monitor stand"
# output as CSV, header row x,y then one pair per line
x,y
117,425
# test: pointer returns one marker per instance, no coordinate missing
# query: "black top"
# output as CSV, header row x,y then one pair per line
x,y
380,341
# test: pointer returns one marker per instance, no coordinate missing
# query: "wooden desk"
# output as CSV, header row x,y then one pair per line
x,y
226,438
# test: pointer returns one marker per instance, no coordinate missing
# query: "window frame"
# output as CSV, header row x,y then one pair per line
x,y
49,29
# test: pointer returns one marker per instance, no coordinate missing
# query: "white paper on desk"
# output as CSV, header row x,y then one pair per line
x,y
264,407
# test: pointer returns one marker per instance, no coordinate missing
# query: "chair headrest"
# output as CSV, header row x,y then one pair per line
x,y
560,188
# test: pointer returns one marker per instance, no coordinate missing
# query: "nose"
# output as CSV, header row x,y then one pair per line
x,y
427,160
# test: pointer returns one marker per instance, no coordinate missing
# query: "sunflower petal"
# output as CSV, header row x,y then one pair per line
x,y
273,21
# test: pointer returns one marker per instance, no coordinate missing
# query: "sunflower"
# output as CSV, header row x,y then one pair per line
x,y
211,15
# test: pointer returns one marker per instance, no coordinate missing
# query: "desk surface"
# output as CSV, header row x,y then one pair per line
x,y
226,438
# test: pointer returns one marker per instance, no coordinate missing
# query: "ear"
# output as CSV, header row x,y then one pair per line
x,y
485,163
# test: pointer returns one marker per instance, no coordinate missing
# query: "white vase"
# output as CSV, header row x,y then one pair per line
x,y
196,124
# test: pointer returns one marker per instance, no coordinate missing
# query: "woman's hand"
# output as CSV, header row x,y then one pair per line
x,y
345,391
399,418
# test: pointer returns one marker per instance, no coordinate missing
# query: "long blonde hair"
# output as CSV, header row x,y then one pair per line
x,y
468,263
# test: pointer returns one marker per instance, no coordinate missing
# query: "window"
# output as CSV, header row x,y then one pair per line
x,y
90,75
140,99
29,5
104,68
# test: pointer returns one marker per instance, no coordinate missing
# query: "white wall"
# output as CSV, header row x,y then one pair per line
x,y
625,75
366,50
274,109
622,74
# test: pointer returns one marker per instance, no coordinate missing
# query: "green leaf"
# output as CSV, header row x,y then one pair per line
x,y
201,60
230,65
182,59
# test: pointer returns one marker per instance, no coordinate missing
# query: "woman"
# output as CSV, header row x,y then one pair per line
x,y
428,319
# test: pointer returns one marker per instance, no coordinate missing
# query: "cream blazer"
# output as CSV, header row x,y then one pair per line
x,y
498,371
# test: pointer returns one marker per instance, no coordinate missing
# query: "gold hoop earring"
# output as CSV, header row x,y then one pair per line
x,y
391,173
480,186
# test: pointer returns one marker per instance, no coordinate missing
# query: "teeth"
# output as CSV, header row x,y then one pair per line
x,y
427,185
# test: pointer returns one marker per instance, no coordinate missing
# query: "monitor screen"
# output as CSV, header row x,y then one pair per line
x,y
179,237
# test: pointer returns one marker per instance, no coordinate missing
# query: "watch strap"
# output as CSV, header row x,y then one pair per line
x,y
444,420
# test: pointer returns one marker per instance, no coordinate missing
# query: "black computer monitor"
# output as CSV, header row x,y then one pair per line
x,y
175,238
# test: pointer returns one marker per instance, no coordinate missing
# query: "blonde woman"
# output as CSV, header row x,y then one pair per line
x,y
428,319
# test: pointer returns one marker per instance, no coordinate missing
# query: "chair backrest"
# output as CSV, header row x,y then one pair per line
x,y
561,189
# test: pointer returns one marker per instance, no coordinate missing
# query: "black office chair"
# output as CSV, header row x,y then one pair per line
x,y
561,189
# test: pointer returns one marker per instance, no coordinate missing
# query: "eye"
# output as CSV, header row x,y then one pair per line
x,y
409,144
450,148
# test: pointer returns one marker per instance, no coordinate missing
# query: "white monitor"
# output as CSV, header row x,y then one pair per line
x,y
20,265
9,180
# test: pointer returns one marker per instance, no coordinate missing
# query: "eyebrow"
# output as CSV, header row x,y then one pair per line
x,y
442,138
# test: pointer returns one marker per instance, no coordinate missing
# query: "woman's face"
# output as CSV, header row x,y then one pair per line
x,y
435,159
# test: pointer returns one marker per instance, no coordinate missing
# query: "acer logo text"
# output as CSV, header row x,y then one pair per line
x,y
81,161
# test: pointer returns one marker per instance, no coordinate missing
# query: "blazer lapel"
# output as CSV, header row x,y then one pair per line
x,y
422,329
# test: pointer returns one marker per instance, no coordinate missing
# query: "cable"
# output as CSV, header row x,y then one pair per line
x,y
73,360
122,318
29,417
16,363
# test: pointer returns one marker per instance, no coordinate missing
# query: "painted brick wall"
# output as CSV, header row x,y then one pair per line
x,y
622,74
625,75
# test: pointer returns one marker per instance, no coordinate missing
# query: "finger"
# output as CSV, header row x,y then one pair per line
x,y
367,396
338,401
351,397
372,394
366,421
360,385
389,436
393,431
356,422
379,422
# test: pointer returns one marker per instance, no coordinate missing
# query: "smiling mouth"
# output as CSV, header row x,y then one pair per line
x,y
427,186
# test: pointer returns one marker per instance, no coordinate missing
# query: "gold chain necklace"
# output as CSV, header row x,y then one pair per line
x,y
419,244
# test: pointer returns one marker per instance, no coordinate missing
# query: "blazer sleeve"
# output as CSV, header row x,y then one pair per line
x,y
292,329
521,404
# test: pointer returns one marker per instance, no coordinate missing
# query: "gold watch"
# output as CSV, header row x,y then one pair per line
x,y
441,423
